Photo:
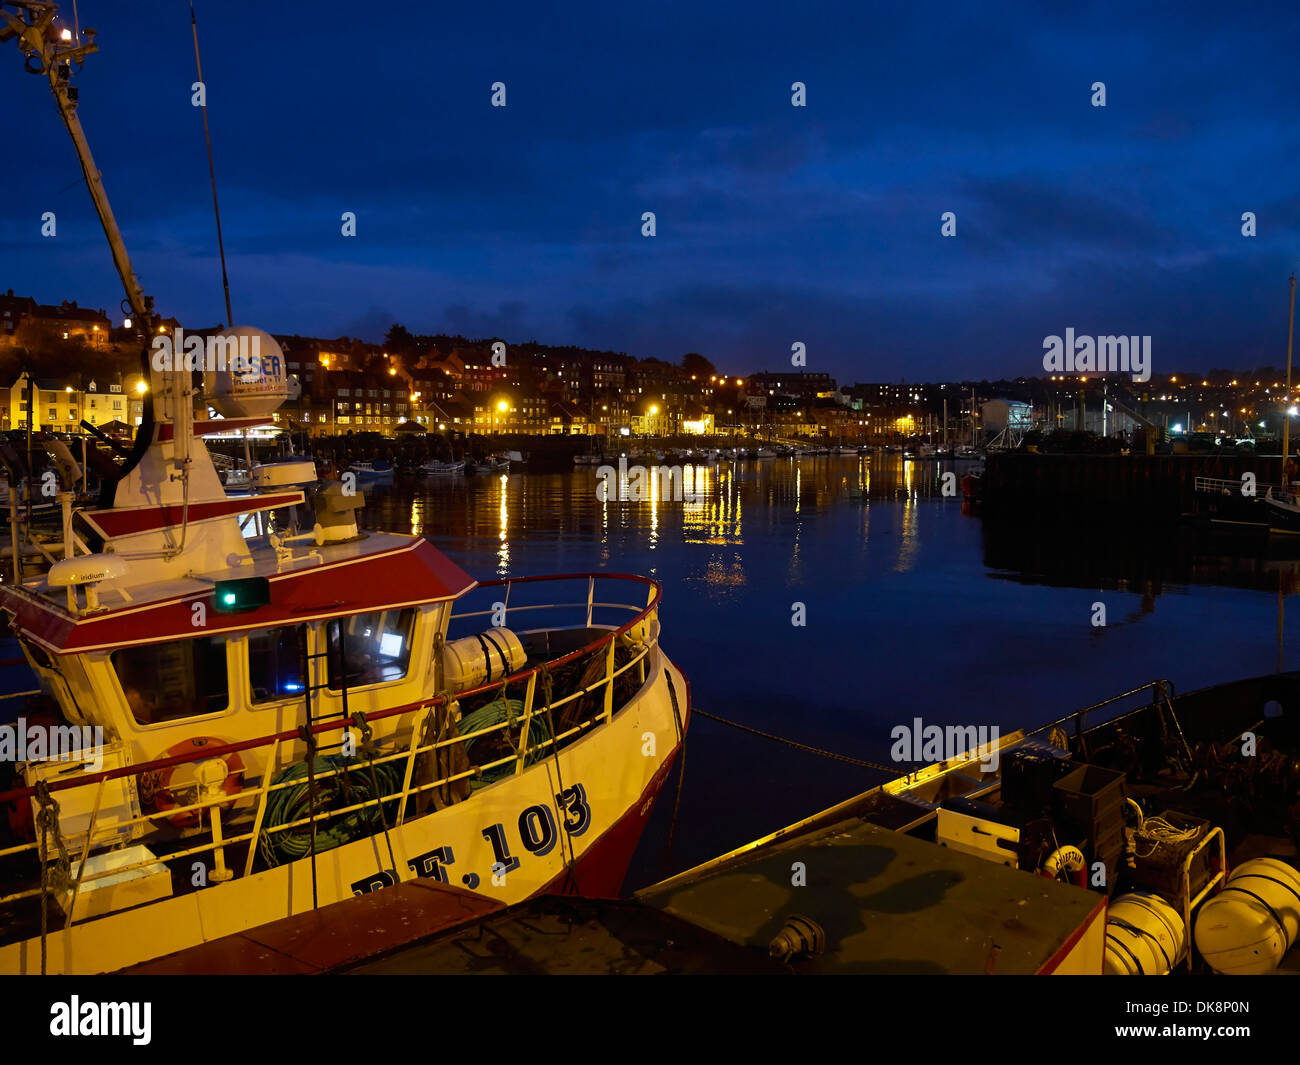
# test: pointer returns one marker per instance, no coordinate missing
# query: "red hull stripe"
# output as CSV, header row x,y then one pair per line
x,y
129,521
211,426
410,575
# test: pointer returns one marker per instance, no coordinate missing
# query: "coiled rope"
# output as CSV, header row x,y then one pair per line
x,y
497,712
1161,832
333,789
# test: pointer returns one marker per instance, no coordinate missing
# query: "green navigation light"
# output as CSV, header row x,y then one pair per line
x,y
246,593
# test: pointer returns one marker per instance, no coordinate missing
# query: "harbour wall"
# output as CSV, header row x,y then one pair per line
x,y
1110,487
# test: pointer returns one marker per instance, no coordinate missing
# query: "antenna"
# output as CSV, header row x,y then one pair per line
x,y
212,174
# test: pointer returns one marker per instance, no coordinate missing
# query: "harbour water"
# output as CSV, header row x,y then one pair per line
x,y
911,608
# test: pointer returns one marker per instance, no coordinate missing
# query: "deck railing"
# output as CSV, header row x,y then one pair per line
x,y
1228,486
522,754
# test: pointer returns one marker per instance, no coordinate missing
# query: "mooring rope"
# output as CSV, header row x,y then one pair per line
x,y
891,770
53,879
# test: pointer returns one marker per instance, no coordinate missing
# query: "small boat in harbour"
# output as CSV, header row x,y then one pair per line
x,y
1282,509
376,472
437,468
492,464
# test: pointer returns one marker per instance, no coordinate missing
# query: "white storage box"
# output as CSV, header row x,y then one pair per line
x,y
119,801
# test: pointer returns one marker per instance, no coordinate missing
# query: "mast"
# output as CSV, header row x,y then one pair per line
x,y
1286,399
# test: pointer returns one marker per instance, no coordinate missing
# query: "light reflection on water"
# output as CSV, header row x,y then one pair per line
x,y
912,609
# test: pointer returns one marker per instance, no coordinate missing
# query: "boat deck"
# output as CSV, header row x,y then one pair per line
x,y
888,903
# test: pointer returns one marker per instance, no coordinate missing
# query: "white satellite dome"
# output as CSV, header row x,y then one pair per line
x,y
245,375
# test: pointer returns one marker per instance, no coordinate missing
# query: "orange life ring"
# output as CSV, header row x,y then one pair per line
x,y
163,799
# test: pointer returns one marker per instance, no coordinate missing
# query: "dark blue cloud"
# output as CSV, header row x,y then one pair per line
x,y
775,223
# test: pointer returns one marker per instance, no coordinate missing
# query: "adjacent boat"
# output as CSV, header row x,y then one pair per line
x,y
249,706
490,465
436,468
1173,847
1283,511
377,472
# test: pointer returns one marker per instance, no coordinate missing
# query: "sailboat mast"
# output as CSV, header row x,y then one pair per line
x,y
1286,411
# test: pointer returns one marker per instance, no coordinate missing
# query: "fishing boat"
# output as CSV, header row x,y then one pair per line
x,y
248,706
492,464
437,468
371,473
1282,509
1146,834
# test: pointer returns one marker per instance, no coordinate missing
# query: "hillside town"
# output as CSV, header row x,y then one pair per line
x,y
77,364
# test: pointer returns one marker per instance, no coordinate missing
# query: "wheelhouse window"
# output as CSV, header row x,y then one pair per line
x,y
274,664
171,681
369,648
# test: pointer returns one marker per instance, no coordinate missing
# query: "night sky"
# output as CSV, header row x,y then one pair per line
x,y
775,224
